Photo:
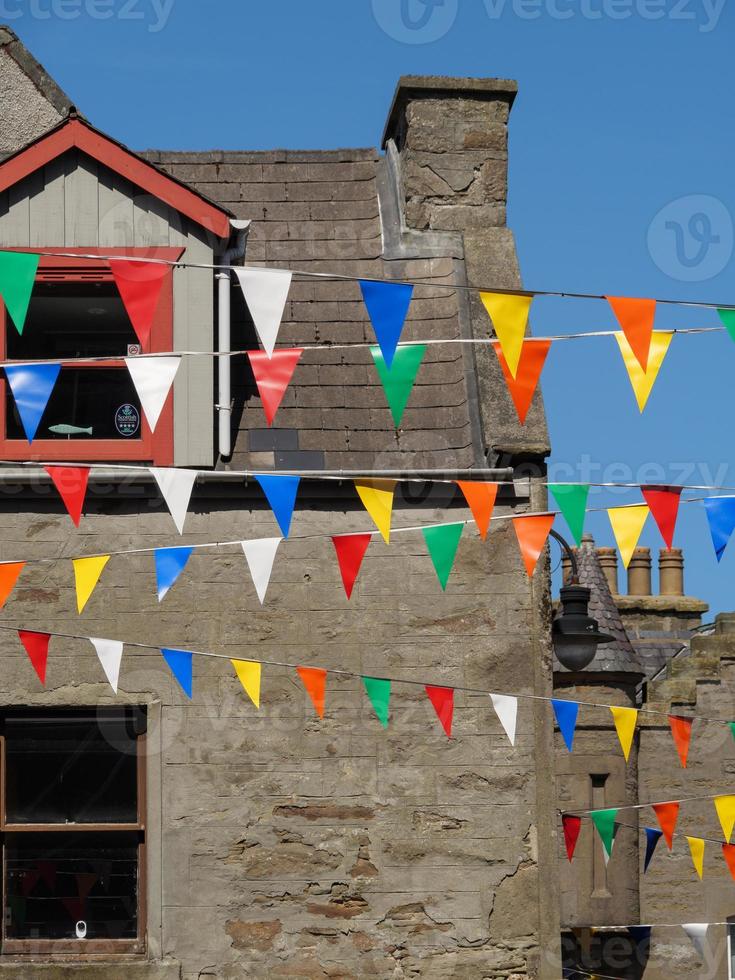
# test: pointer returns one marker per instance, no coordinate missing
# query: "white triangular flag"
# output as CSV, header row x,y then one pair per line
x,y
697,932
506,708
265,292
260,555
152,377
110,653
176,487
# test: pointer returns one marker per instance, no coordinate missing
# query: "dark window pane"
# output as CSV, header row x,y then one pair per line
x,y
71,770
55,880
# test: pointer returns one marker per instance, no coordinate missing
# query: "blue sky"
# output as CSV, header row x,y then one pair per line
x,y
622,148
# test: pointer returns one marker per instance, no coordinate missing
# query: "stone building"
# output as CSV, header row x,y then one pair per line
x,y
233,842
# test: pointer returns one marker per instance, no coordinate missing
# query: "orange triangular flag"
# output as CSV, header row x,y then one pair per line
x,y
9,572
636,317
532,532
315,681
667,814
728,852
481,500
523,387
681,729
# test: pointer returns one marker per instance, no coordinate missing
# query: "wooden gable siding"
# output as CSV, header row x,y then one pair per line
x,y
75,202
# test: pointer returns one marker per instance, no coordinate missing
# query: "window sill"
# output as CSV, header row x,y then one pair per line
x,y
93,968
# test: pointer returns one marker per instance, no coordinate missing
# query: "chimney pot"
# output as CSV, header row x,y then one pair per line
x,y
671,571
608,558
639,572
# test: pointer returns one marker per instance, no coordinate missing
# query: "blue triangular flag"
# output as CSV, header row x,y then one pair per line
x,y
170,564
31,385
639,934
281,493
721,517
387,305
180,662
566,718
653,836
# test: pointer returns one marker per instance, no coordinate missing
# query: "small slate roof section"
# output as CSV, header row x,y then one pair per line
x,y
618,657
318,211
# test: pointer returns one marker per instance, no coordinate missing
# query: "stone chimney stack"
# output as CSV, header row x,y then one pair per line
x,y
671,572
608,558
639,573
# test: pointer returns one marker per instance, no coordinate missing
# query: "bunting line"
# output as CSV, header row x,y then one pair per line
x,y
676,833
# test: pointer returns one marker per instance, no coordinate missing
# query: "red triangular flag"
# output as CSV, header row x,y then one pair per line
x,y
480,498
443,700
572,826
728,852
139,285
667,814
636,317
9,572
530,366
532,532
85,883
681,729
272,376
71,482
315,681
664,505
36,646
350,550
74,906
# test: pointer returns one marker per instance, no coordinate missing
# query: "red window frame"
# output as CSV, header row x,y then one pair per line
x,y
155,447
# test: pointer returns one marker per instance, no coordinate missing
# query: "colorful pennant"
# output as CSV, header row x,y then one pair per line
x,y
728,852
398,379
696,849
510,319
17,276
260,555
180,663
640,934
572,826
387,304
139,285
71,482
170,563
280,492
697,932
9,572
532,531
378,690
442,698
725,807
266,293
728,320
566,713
667,814
350,550
480,499
572,502
627,525
721,517
273,373
642,381
110,654
87,573
653,836
314,680
506,708
249,672
176,487
636,317
36,646
604,821
152,378
377,499
681,731
625,721
31,385
664,507
523,386
443,542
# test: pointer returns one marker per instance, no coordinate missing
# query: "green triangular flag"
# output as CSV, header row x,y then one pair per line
x,y
17,275
572,503
728,318
397,381
604,820
379,693
442,543
732,728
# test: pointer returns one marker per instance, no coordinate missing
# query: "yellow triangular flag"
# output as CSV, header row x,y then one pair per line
x,y
643,381
696,846
725,806
510,318
249,673
87,573
377,499
627,524
625,720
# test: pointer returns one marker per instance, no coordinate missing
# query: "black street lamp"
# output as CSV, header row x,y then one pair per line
x,y
575,634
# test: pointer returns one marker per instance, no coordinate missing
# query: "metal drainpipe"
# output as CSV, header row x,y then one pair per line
x,y
224,389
